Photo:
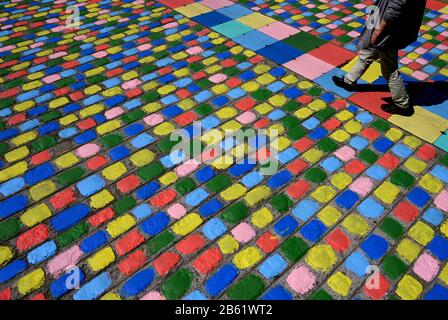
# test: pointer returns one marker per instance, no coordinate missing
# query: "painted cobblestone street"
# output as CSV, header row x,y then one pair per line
x,y
88,189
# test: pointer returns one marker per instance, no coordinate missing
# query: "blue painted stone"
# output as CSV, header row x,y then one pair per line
x,y
272,266
221,280
42,252
210,207
213,228
70,217
418,196
137,283
285,226
59,286
347,199
11,270
155,224
277,293
439,247
357,263
12,205
94,288
94,241
375,246
313,230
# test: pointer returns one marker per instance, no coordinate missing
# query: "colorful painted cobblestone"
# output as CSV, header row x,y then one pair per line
x,y
87,185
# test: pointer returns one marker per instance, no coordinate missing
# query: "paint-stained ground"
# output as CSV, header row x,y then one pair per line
x,y
88,190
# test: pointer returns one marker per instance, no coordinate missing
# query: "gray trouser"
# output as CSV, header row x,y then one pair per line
x,y
389,69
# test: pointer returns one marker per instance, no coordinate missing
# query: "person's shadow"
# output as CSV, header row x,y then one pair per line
x,y
422,94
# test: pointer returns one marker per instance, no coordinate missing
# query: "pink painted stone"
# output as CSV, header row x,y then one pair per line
x,y
59,28
420,75
153,295
144,47
217,78
362,186
153,119
243,232
176,211
131,84
421,61
170,25
100,54
80,37
420,50
87,150
57,54
113,113
426,267
278,30
441,201
308,66
10,47
345,153
246,117
195,50
301,279
52,78
216,4
187,167
306,29
64,261
405,60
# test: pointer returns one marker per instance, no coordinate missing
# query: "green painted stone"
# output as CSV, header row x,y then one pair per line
x,y
150,96
248,288
71,235
204,109
178,284
43,143
96,79
402,178
380,125
304,41
281,203
327,145
261,94
111,140
444,160
315,91
394,267
296,133
204,83
165,145
162,240
5,103
50,116
185,185
151,171
9,228
291,106
70,176
219,183
315,175
231,71
368,156
3,148
124,204
290,122
235,213
321,295
147,68
133,116
294,248
324,114
392,228
196,66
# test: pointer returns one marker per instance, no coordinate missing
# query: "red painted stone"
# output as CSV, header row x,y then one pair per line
x,y
297,166
5,294
129,242
32,237
267,242
166,262
96,162
354,167
338,240
426,152
41,157
101,217
406,211
303,144
298,189
132,263
163,198
377,293
207,261
63,198
128,184
389,161
190,244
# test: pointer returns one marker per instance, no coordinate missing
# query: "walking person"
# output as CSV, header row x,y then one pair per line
x,y
393,25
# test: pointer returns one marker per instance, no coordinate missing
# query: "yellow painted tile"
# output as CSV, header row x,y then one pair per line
x,y
421,232
101,199
42,189
340,283
321,257
329,216
227,244
187,224
409,288
31,282
35,215
101,259
247,257
356,224
120,225
408,249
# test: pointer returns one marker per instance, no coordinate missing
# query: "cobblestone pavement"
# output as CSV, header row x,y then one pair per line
x,y
89,192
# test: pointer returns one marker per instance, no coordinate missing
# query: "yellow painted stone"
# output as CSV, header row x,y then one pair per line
x,y
313,155
108,126
142,157
247,257
278,100
431,183
290,79
233,192
226,113
412,142
321,257
92,90
444,228
443,276
23,138
164,128
17,154
35,215
317,105
356,224
305,85
13,171
68,119
329,216
408,249
340,135
186,104
222,162
275,130
220,89
257,194
168,178
264,108
120,225
353,127
265,79
166,89
111,296
303,113
280,144
415,165
409,288
262,218
91,110
6,255
387,192
340,283
187,224
42,189
32,281
101,199
421,232
114,171
341,180
101,259
250,86
227,244
66,160
231,126
23,106
260,68
394,134
59,102
344,115
323,193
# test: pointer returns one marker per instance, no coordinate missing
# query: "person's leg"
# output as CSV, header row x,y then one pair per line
x,y
389,69
365,59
